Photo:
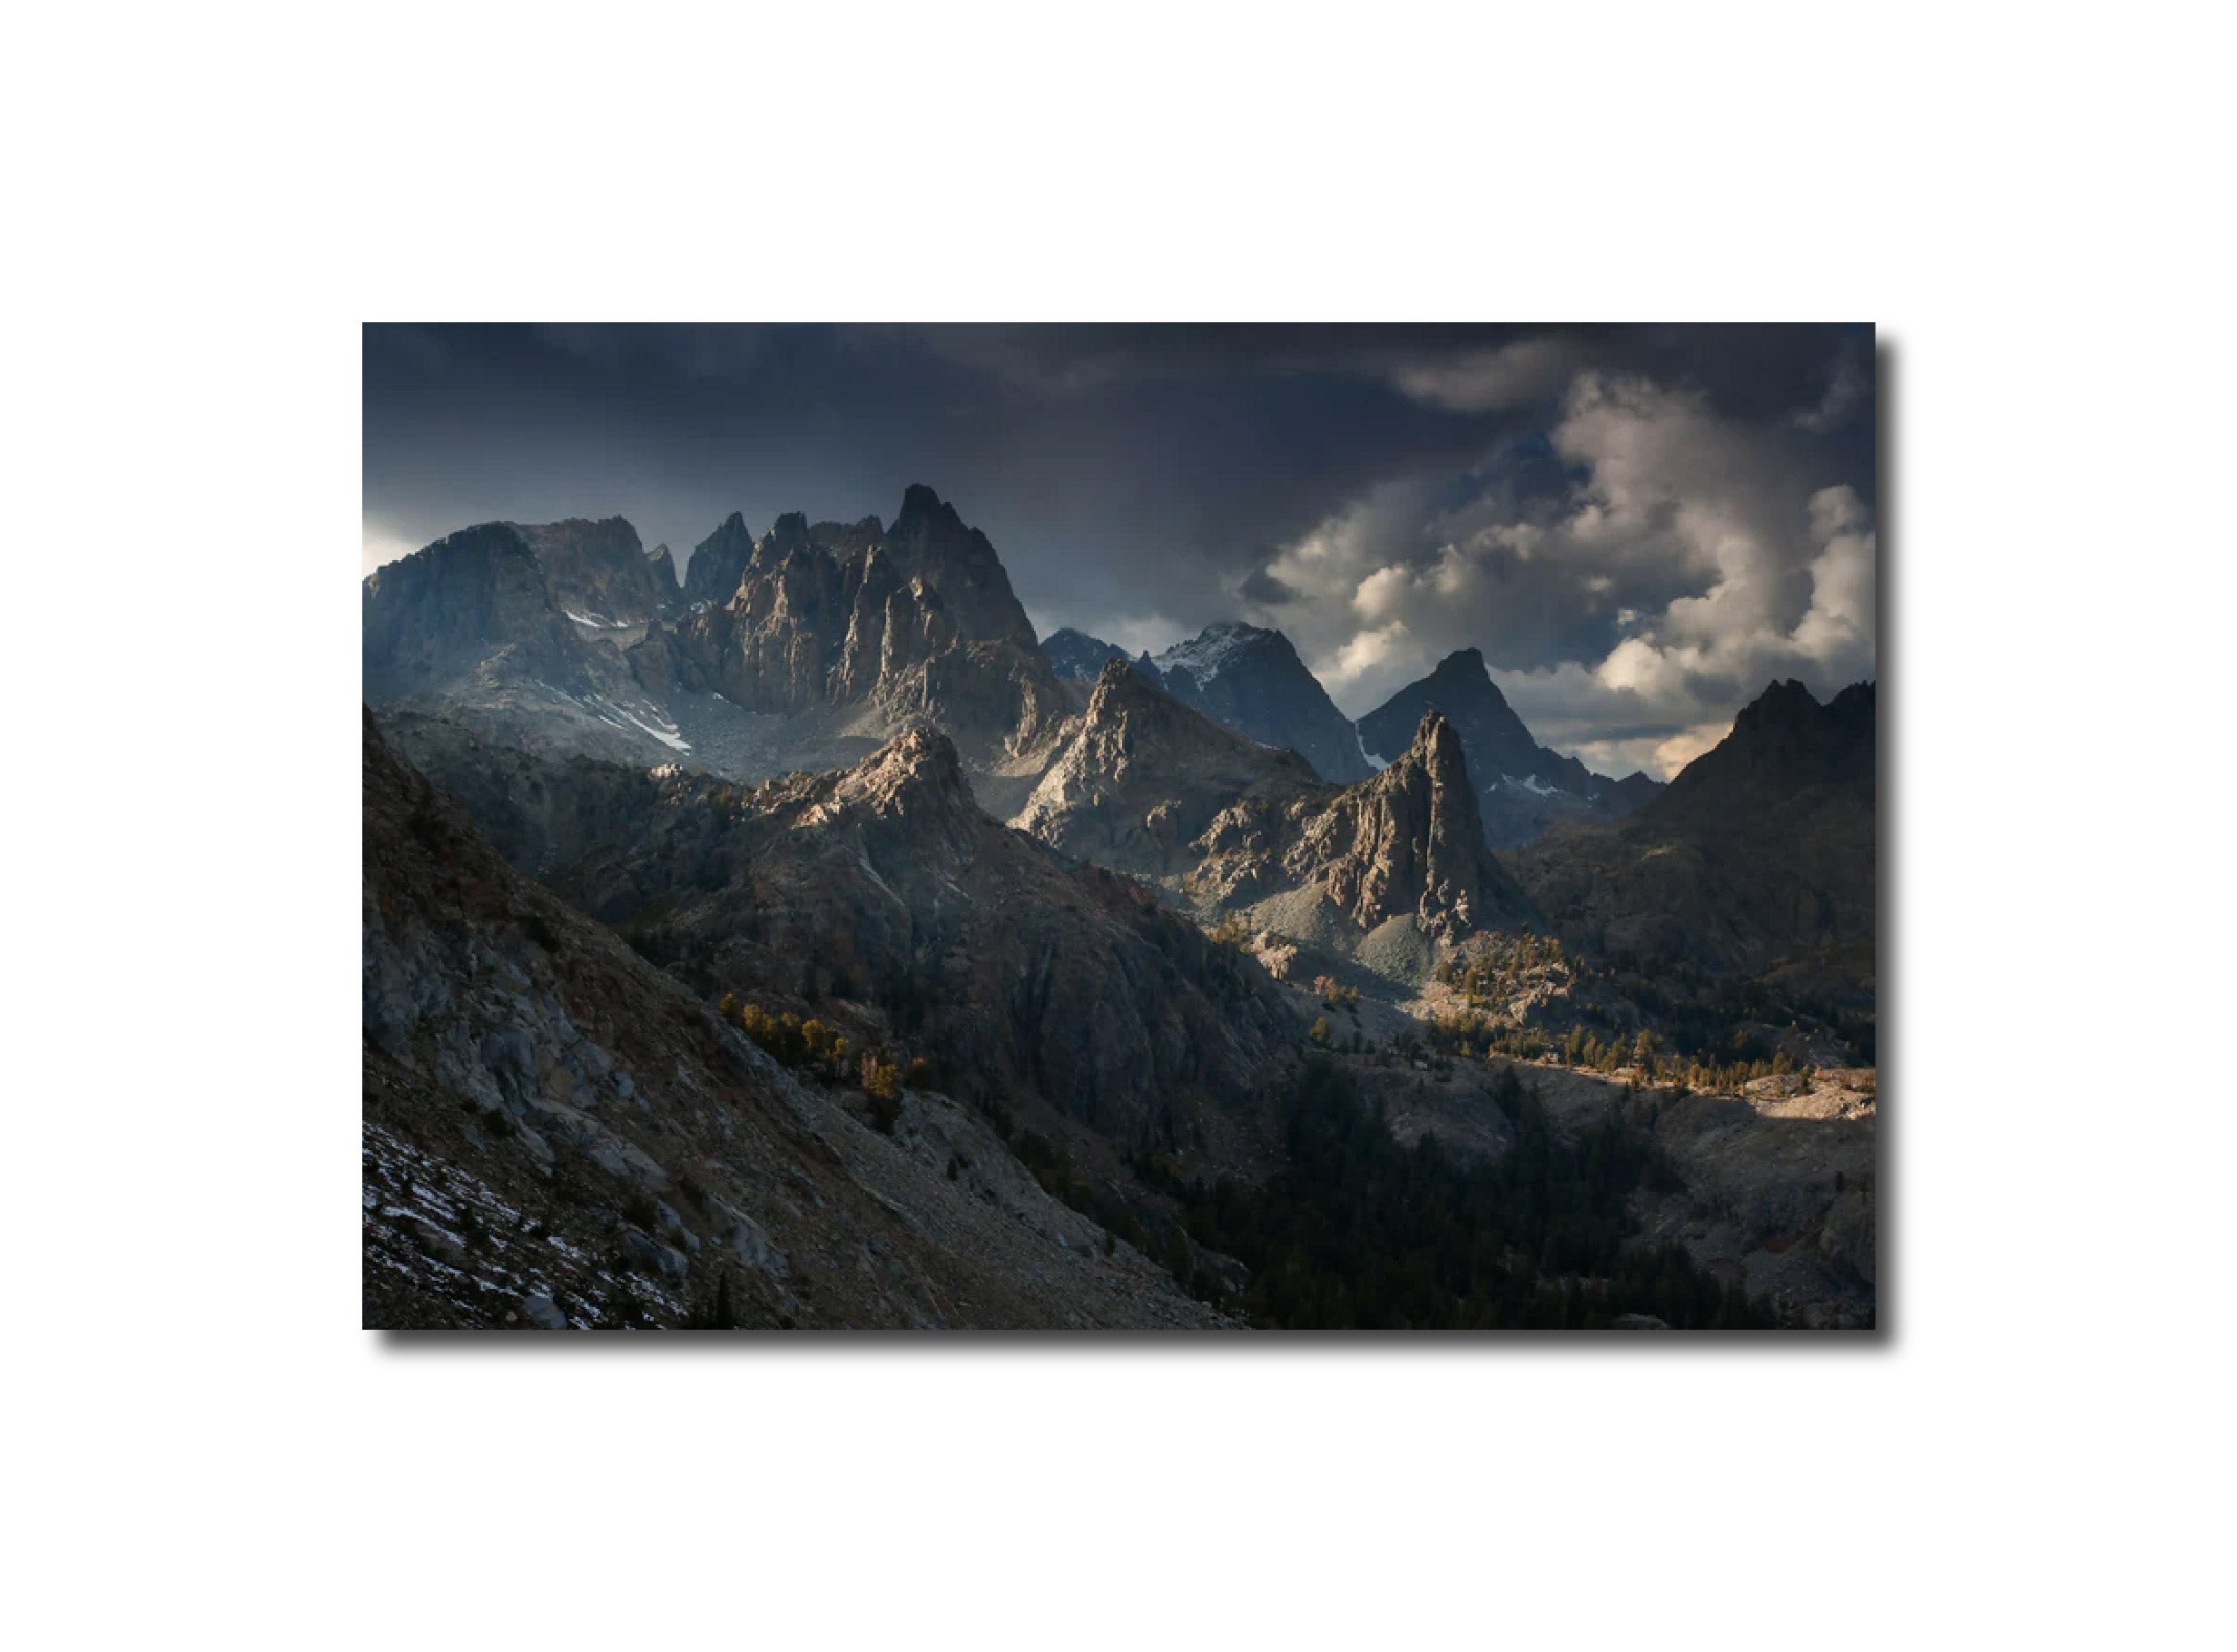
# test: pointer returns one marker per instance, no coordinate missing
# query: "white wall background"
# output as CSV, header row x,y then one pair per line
x,y
206,203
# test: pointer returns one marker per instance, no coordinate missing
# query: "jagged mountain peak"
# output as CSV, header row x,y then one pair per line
x,y
920,755
1077,656
1432,772
1461,687
1522,786
1782,742
719,562
482,540
1252,680
1140,774
920,503
663,563
472,599
1436,746
1119,681
931,538
1408,842
1213,649
910,791
1462,665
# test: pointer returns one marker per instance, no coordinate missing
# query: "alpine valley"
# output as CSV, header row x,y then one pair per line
x,y
783,935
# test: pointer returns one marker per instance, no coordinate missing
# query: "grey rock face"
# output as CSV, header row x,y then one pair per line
x,y
474,601
1140,775
665,582
1408,844
718,561
916,621
596,571
665,1258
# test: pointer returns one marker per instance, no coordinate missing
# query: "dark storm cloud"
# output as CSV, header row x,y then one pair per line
x,y
1627,520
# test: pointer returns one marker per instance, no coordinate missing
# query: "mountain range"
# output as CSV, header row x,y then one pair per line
x,y
852,878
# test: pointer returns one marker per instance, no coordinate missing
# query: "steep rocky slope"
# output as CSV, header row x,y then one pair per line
x,y
665,584
1522,787
555,1133
540,813
1140,776
1761,854
717,563
885,889
472,600
930,541
1251,680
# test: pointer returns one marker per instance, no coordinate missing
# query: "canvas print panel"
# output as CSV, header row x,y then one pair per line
x,y
1117,827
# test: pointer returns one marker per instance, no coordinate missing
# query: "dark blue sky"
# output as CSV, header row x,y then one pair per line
x,y
1635,523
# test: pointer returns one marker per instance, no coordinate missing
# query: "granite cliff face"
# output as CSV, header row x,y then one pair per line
x,y
824,639
1407,844
1251,680
556,1134
1140,776
469,626
597,572
1522,787
664,582
718,563
473,602
928,540
919,620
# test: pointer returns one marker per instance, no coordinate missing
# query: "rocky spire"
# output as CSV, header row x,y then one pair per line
x,y
718,561
931,540
664,576
1251,680
1409,842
